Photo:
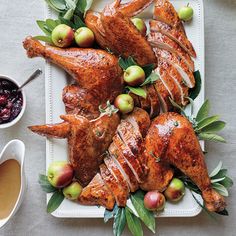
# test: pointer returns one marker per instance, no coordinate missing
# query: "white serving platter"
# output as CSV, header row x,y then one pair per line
x,y
56,79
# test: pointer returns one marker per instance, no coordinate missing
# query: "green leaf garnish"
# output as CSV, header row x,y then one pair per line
x,y
203,111
207,121
45,39
45,185
51,24
125,63
119,222
108,110
57,5
148,69
220,189
150,79
66,22
138,91
211,137
42,25
55,201
214,127
78,22
193,93
216,170
145,215
134,223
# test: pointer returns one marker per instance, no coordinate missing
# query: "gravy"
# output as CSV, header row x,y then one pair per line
x,y
10,183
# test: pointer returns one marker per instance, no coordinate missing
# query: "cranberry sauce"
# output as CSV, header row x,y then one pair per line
x,y
11,101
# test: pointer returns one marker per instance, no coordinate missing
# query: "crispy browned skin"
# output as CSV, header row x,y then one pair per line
x,y
97,193
165,12
95,70
123,39
80,101
87,140
175,34
171,138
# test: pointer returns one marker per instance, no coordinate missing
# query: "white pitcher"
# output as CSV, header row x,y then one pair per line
x,y
15,149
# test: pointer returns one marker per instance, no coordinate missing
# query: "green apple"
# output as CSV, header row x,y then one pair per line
x,y
125,103
185,13
60,174
140,25
62,36
72,191
154,201
134,75
175,190
84,37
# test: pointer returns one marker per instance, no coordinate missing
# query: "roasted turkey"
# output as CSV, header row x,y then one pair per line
x,y
87,140
114,157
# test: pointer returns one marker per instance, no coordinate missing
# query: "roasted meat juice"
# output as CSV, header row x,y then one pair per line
x,y
10,182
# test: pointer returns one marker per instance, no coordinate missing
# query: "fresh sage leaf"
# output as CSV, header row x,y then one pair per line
x,y
110,214
125,63
46,39
207,121
133,223
78,22
55,201
211,137
42,25
203,111
214,127
138,91
51,24
69,14
145,215
45,185
227,182
88,6
71,4
148,69
81,5
216,170
119,222
193,93
217,180
57,5
220,189
66,22
222,173
150,79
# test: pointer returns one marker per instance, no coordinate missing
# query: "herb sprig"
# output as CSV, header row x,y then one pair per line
x,y
151,77
71,13
123,216
205,126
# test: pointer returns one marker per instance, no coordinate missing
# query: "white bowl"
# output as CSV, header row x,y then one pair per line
x,y
13,122
15,149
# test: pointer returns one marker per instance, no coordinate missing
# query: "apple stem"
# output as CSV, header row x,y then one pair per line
x,y
188,5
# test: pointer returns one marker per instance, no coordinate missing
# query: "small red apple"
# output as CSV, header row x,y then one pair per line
x,y
154,201
62,36
60,174
72,191
125,103
84,37
175,190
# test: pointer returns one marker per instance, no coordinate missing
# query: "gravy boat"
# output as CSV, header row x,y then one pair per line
x,y
15,150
